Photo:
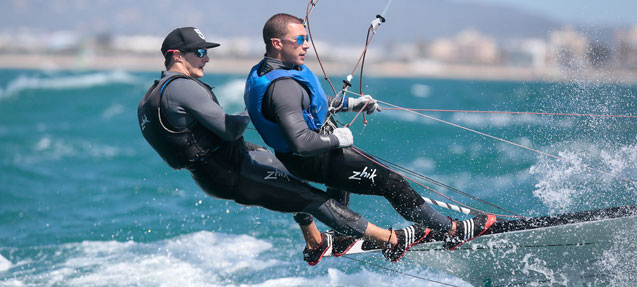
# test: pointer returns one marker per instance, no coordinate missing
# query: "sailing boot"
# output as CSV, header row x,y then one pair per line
x,y
407,237
468,230
342,244
314,256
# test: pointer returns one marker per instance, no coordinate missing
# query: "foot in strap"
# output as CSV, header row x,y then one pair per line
x,y
314,256
468,230
407,237
342,244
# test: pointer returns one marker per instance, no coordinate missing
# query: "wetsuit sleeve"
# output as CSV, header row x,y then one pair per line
x,y
196,101
286,100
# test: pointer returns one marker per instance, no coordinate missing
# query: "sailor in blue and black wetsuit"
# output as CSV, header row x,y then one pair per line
x,y
288,107
182,120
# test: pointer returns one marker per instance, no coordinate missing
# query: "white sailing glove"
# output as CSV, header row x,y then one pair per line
x,y
356,104
344,136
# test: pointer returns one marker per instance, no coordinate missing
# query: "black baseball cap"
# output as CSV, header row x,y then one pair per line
x,y
184,39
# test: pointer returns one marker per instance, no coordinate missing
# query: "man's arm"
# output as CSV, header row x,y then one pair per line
x,y
286,102
196,101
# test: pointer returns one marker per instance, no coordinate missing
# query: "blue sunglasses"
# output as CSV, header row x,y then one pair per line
x,y
300,39
200,52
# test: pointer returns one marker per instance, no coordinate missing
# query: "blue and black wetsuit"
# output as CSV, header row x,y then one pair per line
x,y
316,157
182,120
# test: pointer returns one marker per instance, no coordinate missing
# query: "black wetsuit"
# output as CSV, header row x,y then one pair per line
x,y
316,159
236,170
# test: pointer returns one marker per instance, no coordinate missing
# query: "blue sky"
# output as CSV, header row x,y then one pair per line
x,y
594,12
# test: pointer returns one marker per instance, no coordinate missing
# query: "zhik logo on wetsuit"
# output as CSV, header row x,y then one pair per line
x,y
359,175
275,174
144,122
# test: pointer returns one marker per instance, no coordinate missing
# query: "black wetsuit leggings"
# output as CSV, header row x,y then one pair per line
x,y
347,170
262,184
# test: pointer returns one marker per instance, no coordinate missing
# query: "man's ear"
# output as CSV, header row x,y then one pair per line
x,y
177,57
277,43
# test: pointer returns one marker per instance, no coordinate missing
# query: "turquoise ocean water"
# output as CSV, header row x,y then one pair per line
x,y
84,201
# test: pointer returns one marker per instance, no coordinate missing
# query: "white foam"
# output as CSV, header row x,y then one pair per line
x,y
620,260
567,183
202,259
65,82
406,116
113,110
505,120
49,147
335,277
420,90
230,95
197,259
5,264
422,165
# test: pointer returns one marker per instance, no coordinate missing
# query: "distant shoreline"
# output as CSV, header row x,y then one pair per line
x,y
415,69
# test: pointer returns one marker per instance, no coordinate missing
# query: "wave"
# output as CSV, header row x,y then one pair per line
x,y
78,81
198,259
5,264
230,95
505,120
49,148
420,90
566,184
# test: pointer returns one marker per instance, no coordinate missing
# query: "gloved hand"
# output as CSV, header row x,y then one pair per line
x,y
344,136
356,104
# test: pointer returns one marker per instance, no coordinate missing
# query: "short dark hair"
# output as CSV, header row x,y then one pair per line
x,y
168,60
277,27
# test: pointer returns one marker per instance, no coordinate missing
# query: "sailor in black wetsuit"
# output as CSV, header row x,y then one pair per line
x,y
289,109
182,120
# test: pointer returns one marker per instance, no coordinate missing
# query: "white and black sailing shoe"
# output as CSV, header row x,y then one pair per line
x,y
407,237
469,229
314,256
342,244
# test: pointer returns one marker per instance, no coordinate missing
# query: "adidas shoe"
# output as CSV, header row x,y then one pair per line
x,y
314,256
407,237
468,230
342,244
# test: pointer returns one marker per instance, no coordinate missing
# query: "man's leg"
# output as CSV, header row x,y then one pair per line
x,y
351,171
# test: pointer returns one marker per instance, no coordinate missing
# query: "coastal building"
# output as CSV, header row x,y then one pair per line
x,y
468,47
626,43
567,49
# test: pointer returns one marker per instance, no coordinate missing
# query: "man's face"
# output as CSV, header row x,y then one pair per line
x,y
291,51
194,65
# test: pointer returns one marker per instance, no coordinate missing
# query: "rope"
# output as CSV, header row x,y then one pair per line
x,y
362,153
507,141
371,31
517,113
448,206
435,182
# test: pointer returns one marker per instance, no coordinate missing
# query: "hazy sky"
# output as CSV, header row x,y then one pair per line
x,y
338,21
607,12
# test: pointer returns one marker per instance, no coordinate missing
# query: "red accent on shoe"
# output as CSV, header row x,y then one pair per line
x,y
338,254
319,259
427,231
323,239
490,220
